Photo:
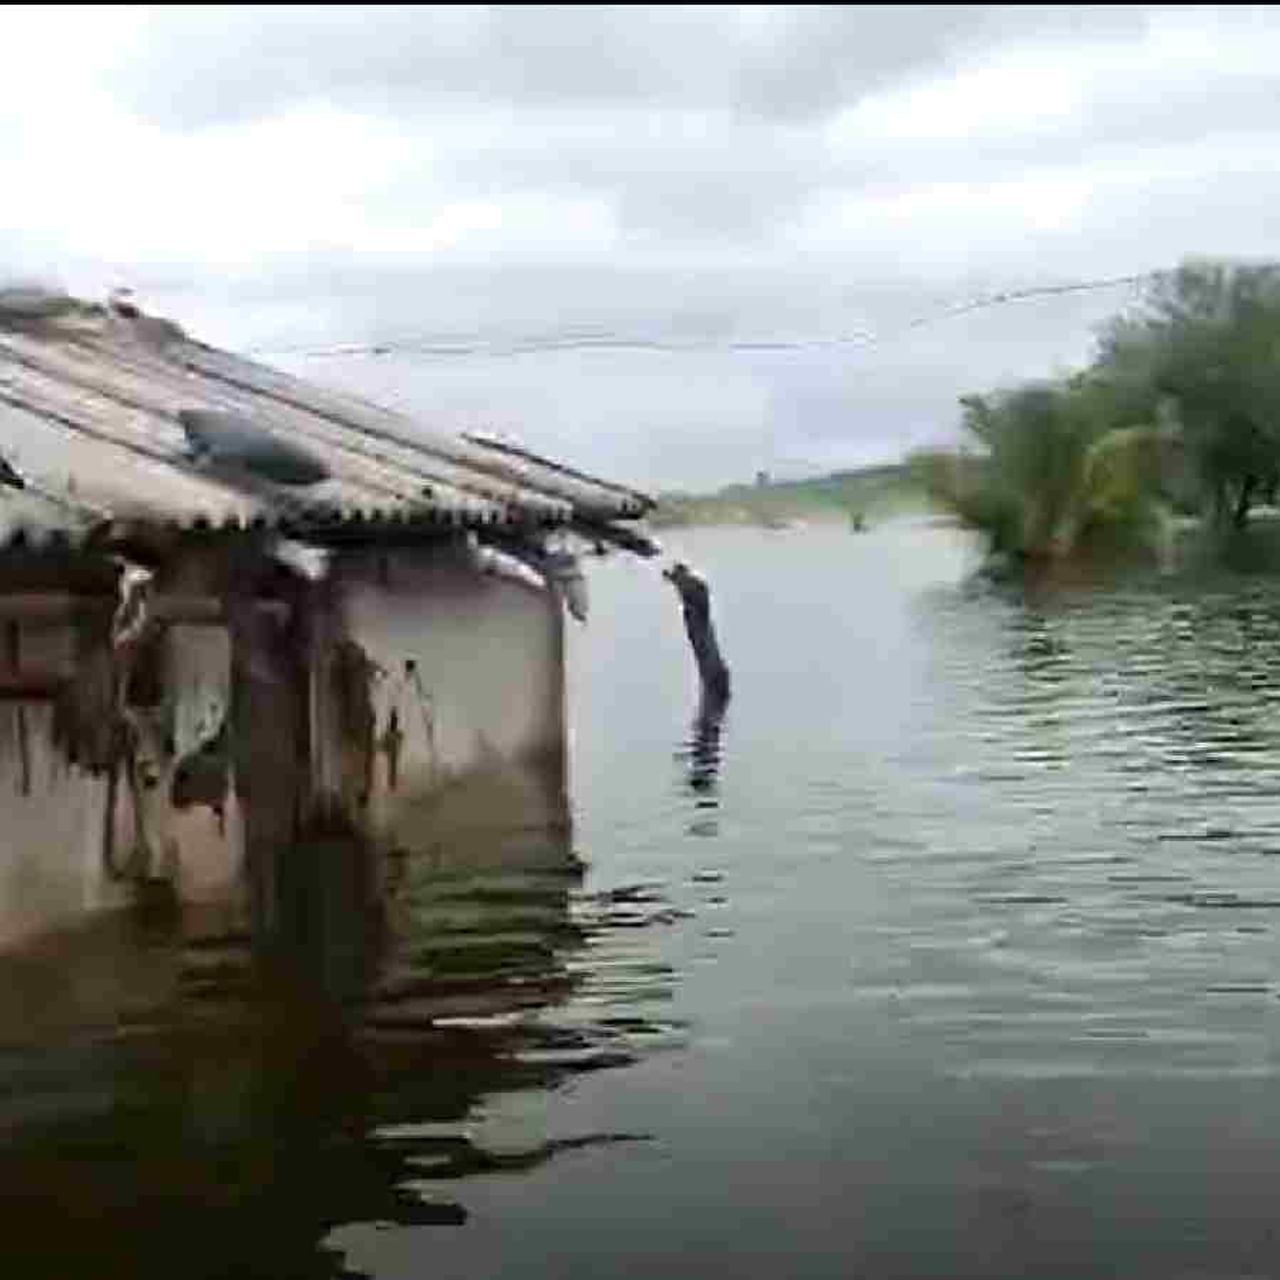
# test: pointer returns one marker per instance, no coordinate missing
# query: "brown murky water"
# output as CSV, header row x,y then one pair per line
x,y
951,952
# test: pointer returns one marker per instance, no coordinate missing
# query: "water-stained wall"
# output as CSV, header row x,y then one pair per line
x,y
112,775
438,674
224,750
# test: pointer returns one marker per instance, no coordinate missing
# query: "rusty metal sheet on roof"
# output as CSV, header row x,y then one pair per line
x,y
105,463
138,404
100,412
92,414
187,371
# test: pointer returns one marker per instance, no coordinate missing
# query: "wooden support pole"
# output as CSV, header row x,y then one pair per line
x,y
695,601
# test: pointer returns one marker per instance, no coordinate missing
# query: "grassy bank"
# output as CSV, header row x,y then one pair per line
x,y
874,493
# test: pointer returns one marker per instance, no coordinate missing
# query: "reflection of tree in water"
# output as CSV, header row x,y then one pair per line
x,y
225,1128
703,754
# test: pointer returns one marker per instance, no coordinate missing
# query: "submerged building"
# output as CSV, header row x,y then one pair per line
x,y
247,623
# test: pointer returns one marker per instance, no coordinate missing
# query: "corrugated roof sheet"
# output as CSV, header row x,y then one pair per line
x,y
89,405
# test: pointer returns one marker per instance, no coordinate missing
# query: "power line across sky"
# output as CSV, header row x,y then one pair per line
x,y
446,348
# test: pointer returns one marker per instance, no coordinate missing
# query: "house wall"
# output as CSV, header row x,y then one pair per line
x,y
53,814
75,839
407,704
53,821
196,845
466,682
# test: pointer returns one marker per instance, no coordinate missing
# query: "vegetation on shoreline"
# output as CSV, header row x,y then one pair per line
x,y
1169,437
1177,415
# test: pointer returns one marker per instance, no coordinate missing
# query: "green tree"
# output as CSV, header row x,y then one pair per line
x,y
1204,349
1051,470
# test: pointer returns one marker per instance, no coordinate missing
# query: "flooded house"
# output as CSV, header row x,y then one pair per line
x,y
255,633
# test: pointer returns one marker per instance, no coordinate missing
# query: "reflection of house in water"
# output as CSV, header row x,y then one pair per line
x,y
220,1125
250,625
174,1101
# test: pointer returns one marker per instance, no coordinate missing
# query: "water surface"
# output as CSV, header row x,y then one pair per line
x,y
949,952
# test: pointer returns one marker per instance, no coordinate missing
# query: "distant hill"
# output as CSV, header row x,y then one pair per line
x,y
874,493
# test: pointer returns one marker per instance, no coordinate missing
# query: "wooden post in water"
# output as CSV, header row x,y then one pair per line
x,y
695,601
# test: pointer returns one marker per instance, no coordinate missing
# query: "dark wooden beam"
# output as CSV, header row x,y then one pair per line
x,y
608,531
58,606
29,685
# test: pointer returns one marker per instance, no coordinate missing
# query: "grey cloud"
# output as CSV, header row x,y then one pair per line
x,y
686,124
1116,124
825,58
677,173
705,141
352,300
663,299
200,66
686,174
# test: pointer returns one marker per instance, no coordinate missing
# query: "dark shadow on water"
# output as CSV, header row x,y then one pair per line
x,y
171,1104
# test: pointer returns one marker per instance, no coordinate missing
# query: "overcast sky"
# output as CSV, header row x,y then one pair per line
x,y
506,189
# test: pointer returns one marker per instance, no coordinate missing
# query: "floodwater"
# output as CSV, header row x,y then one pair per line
x,y
950,952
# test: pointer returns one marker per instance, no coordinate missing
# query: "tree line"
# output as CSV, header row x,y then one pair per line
x,y
1177,414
